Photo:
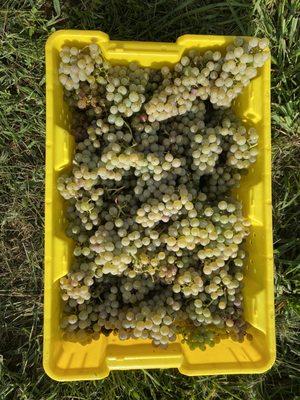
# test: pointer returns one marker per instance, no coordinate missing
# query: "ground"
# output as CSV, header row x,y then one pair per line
x,y
24,28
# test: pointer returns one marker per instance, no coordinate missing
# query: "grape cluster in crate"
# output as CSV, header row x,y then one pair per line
x,y
158,234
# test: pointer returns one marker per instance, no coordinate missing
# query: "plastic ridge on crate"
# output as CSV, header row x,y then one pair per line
x,y
67,361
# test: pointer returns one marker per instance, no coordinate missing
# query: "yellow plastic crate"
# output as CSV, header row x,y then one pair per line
x,y
66,361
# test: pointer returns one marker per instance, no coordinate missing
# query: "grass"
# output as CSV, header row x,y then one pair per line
x,y
24,28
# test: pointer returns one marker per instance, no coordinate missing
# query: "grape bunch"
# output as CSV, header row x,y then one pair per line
x,y
158,233
221,78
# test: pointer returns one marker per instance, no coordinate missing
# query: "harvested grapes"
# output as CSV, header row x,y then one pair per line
x,y
158,234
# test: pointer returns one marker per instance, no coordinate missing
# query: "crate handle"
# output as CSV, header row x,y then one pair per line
x,y
120,48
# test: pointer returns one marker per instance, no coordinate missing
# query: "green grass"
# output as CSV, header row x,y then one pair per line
x,y
24,28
